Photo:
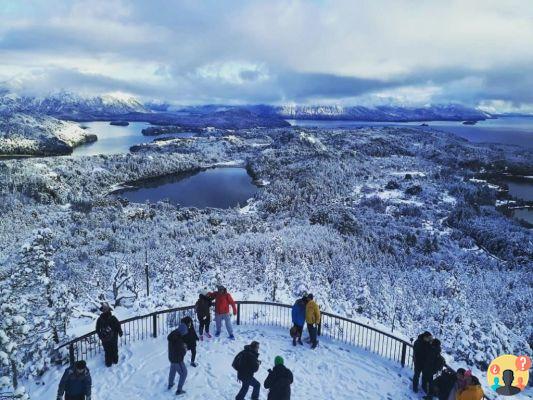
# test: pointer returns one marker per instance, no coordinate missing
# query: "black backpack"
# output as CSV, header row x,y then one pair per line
x,y
236,364
106,332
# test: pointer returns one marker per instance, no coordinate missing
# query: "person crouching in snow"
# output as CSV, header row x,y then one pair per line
x,y
75,383
279,381
108,329
203,312
190,339
176,354
223,301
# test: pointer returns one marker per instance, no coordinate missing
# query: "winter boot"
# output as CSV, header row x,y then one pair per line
x,y
232,337
217,333
170,387
193,364
294,341
180,392
314,346
208,335
300,341
201,337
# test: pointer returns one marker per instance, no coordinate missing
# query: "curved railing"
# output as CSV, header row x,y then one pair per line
x,y
251,313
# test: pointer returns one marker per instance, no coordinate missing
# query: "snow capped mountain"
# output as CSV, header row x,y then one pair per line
x,y
68,105
448,112
39,135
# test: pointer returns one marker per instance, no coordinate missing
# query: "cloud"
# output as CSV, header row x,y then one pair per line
x,y
473,52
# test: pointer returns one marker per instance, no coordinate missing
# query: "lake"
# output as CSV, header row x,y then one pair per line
x,y
114,139
216,187
507,130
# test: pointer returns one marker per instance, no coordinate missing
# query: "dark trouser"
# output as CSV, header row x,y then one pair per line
x,y
416,376
193,353
427,381
75,397
313,331
204,323
111,352
246,383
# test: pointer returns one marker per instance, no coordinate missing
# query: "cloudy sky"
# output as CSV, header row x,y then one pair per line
x,y
475,52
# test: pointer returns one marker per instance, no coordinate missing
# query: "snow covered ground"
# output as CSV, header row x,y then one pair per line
x,y
333,371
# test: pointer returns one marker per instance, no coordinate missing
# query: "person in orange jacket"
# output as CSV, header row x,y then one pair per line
x,y
472,391
312,317
223,301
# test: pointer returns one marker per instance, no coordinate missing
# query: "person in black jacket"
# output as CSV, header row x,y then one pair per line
x,y
433,363
108,329
247,364
75,383
203,312
190,339
279,381
176,354
420,352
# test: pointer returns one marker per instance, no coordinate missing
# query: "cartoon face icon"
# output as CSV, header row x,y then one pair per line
x,y
507,375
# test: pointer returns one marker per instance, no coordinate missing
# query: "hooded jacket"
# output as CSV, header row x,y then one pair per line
x,y
298,313
222,302
312,313
421,350
203,306
107,321
279,382
176,345
74,384
472,392
249,363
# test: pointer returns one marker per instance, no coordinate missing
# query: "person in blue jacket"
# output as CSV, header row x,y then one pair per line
x,y
75,383
298,319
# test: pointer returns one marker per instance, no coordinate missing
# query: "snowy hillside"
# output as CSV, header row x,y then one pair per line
x,y
449,112
333,371
68,105
39,135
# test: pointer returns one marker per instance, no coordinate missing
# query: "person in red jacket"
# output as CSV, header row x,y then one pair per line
x,y
223,301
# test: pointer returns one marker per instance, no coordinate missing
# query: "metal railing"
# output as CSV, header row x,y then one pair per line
x,y
251,313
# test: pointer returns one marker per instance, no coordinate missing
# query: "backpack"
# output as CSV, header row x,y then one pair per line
x,y
236,364
106,333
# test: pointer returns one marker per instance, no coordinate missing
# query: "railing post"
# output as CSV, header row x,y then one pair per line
x,y
404,353
238,313
319,329
154,325
71,354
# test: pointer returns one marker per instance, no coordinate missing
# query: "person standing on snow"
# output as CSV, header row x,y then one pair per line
x,y
108,330
176,353
203,312
223,301
298,319
190,339
279,381
421,349
75,383
247,363
433,364
312,317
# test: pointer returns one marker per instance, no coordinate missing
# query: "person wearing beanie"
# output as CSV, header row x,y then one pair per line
x,y
279,381
176,353
75,383
108,329
203,313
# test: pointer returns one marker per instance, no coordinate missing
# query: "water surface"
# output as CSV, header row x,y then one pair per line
x,y
216,187
113,139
